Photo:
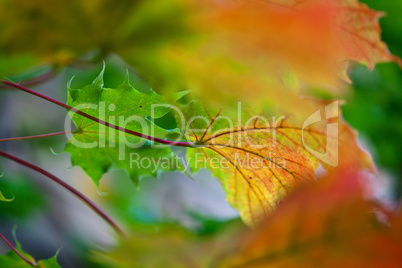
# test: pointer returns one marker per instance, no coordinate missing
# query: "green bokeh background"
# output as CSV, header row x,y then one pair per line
x,y
374,106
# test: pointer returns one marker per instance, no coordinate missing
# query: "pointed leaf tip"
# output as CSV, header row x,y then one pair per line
x,y
53,152
181,94
69,83
123,100
100,191
126,81
4,199
14,233
99,79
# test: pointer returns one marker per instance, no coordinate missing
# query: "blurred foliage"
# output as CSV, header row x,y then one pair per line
x,y
163,47
202,45
15,64
134,29
170,245
324,224
390,23
25,201
12,260
374,109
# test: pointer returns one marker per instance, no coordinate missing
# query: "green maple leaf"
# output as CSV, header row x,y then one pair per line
x,y
12,260
96,148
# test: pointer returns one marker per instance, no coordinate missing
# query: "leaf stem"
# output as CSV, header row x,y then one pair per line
x,y
69,188
167,142
37,80
16,251
35,136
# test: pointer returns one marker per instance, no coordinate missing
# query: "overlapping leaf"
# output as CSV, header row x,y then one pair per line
x,y
325,224
357,30
260,159
96,148
328,224
360,33
267,47
267,42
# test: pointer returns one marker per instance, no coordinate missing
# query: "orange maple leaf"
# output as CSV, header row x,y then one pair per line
x,y
263,41
328,224
357,30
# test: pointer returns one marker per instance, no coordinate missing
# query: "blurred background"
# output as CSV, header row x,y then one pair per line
x,y
49,218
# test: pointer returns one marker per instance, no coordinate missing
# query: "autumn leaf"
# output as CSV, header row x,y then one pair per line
x,y
255,50
96,148
260,158
328,224
325,224
279,40
359,34
264,47
353,25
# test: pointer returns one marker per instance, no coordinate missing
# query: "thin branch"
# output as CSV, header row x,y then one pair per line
x,y
167,142
16,251
91,204
36,136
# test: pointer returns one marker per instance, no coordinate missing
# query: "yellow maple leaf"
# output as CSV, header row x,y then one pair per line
x,y
261,158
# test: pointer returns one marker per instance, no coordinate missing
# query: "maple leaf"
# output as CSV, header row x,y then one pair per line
x,y
359,33
277,41
356,29
96,148
328,224
260,159
12,260
296,40
267,47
